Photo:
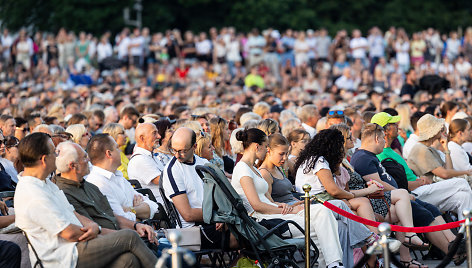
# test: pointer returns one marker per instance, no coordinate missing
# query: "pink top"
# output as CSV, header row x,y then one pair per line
x,y
343,179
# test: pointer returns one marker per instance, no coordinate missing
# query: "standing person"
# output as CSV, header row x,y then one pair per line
x,y
142,164
376,47
136,48
61,236
359,46
402,49
253,189
322,45
6,42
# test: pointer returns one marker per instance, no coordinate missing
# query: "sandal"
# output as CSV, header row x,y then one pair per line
x,y
411,245
409,264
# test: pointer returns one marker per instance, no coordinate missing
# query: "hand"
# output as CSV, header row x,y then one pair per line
x,y
425,180
137,200
286,208
219,226
3,208
90,232
402,133
297,209
126,209
443,141
143,229
374,187
412,197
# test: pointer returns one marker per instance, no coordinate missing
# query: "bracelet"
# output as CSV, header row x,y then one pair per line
x,y
133,210
136,223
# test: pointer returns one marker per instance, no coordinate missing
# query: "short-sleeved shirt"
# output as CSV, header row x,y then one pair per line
x,y
182,178
311,177
390,153
88,201
42,211
365,163
409,144
423,159
144,168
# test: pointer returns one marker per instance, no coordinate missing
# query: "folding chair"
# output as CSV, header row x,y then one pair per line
x,y
258,242
135,183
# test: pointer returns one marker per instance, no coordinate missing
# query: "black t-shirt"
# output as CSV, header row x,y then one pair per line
x,y
409,89
365,163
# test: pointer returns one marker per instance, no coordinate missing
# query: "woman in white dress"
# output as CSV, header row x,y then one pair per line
x,y
253,189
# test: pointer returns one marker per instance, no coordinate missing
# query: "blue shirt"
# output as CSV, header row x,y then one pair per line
x,y
365,163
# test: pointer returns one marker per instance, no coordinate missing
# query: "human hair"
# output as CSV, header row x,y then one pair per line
x,y
414,119
251,124
276,140
56,129
344,128
446,107
329,144
77,131
195,126
97,147
456,126
261,108
4,118
76,119
32,147
297,135
201,142
290,125
99,114
249,116
367,116
20,121
269,126
286,115
240,112
67,153
113,129
251,135
129,111
236,146
371,130
306,111
217,129
162,126
405,114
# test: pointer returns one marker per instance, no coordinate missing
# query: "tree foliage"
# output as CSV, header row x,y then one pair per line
x,y
97,16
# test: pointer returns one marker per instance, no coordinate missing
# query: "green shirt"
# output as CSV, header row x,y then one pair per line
x,y
254,80
390,153
88,201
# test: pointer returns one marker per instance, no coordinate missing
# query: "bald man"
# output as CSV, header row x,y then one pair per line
x,y
142,164
184,188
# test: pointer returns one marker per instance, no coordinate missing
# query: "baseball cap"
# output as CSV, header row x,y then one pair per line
x,y
383,118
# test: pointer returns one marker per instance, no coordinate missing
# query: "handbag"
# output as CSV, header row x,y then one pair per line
x,y
190,238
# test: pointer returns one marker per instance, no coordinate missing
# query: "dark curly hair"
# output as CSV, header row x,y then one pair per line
x,y
328,143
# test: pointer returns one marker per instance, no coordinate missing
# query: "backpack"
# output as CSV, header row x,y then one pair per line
x,y
397,171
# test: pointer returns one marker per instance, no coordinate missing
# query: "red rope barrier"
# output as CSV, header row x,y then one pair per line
x,y
396,228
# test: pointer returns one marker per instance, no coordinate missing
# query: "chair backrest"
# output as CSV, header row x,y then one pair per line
x,y
172,212
135,183
147,192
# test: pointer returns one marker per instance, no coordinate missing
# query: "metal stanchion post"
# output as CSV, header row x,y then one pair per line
x,y
307,189
385,229
467,215
174,238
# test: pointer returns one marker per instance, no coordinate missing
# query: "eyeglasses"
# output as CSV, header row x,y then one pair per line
x,y
11,141
183,151
62,136
336,112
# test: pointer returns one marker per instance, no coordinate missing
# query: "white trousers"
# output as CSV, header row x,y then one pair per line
x,y
323,231
448,195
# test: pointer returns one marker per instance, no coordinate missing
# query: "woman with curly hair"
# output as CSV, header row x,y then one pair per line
x,y
253,190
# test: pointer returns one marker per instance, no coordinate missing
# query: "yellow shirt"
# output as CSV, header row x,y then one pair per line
x,y
124,165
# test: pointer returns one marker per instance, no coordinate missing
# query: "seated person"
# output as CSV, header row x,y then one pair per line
x,y
184,187
455,193
124,200
253,190
460,132
88,201
61,236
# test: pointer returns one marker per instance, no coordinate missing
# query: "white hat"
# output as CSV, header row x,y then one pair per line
x,y
429,126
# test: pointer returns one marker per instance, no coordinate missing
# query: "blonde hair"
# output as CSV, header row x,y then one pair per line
x,y
405,114
195,126
306,111
77,131
113,129
290,125
269,126
344,128
201,142
249,116
261,108
217,129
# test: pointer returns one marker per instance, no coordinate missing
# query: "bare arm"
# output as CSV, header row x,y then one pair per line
x,y
326,178
449,173
249,189
186,211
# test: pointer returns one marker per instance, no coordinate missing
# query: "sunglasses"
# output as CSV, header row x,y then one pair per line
x,y
336,112
11,142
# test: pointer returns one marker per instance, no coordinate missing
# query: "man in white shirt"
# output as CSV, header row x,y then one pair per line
x,y
6,42
184,187
413,139
104,154
61,236
142,165
309,116
136,48
358,46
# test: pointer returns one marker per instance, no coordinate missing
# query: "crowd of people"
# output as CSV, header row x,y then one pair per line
x,y
363,120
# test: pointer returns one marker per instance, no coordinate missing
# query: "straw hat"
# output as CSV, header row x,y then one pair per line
x,y
428,126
